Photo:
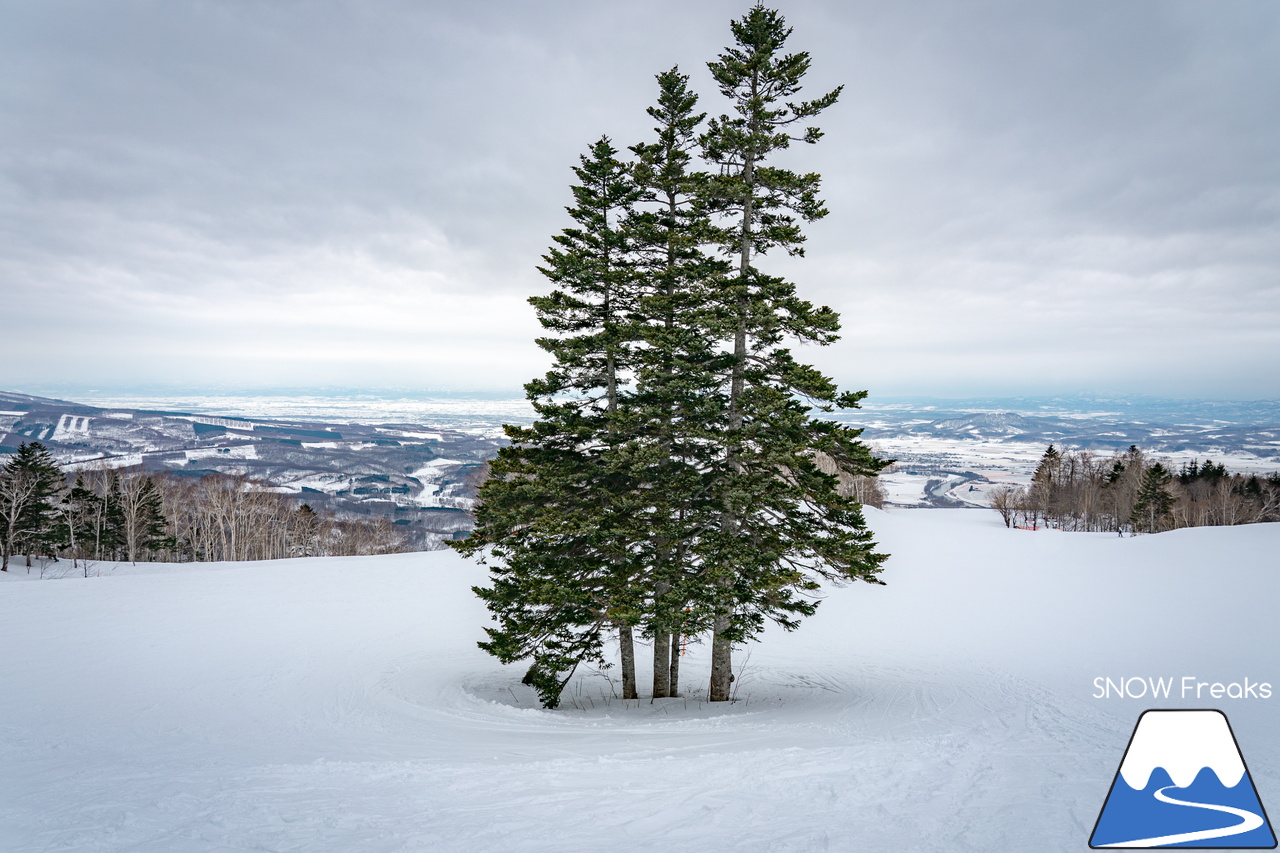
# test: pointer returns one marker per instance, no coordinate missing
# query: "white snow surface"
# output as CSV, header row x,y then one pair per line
x,y
341,704
1183,743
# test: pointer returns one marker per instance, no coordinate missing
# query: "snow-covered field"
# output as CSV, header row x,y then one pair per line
x,y
340,704
477,415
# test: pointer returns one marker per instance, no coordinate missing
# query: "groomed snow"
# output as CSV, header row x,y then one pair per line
x,y
340,704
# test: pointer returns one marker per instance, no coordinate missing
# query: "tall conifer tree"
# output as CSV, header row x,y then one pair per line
x,y
1151,512
778,533
558,499
677,384
30,481
670,479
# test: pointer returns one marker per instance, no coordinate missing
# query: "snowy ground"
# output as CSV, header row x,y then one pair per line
x,y
340,704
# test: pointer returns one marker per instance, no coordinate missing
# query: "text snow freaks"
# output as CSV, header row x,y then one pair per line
x,y
1186,687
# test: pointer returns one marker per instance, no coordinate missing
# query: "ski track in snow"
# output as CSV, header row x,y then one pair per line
x,y
340,704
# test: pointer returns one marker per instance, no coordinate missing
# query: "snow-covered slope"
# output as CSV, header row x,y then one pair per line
x,y
340,704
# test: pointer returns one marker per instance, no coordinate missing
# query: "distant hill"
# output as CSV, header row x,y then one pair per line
x,y
1132,408
419,472
1206,427
419,477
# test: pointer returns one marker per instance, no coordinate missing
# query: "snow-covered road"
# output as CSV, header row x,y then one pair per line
x,y
340,704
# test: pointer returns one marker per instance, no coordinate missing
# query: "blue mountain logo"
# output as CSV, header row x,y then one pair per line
x,y
1183,783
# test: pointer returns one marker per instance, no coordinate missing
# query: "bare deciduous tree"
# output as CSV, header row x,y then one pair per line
x,y
1074,490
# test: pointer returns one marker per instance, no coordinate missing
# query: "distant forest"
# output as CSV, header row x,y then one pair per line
x,y
1130,492
106,514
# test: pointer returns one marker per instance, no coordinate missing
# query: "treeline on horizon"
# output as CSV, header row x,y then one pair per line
x,y
1077,491
127,515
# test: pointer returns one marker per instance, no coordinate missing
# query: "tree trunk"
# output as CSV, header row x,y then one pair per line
x,y
628,649
661,664
721,657
674,687
664,670
721,662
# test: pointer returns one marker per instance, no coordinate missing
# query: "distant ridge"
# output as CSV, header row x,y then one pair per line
x,y
25,402
1130,407
420,477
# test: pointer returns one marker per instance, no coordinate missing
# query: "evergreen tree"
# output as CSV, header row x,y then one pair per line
x,y
671,479
677,385
1045,484
778,534
112,541
305,535
77,512
1154,499
557,501
30,482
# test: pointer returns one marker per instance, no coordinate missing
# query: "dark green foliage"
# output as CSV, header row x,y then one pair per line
x,y
556,497
558,522
778,534
306,538
677,389
588,312
1154,500
760,82
671,481
30,481
1208,472
1045,494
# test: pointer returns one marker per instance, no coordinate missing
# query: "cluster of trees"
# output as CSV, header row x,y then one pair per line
x,y
222,517
127,514
677,480
1079,491
29,484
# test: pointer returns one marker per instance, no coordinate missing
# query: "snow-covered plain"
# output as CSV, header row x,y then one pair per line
x,y
483,416
340,704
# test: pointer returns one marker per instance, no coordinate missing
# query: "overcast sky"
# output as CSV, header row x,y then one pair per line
x,y
1025,197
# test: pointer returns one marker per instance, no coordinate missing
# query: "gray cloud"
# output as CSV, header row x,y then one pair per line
x,y
1024,196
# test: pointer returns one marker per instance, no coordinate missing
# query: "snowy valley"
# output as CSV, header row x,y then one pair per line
x,y
417,475
411,459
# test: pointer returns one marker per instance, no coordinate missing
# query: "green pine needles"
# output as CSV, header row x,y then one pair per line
x,y
674,483
30,481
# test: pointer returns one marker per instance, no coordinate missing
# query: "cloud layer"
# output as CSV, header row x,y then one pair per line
x,y
1024,197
